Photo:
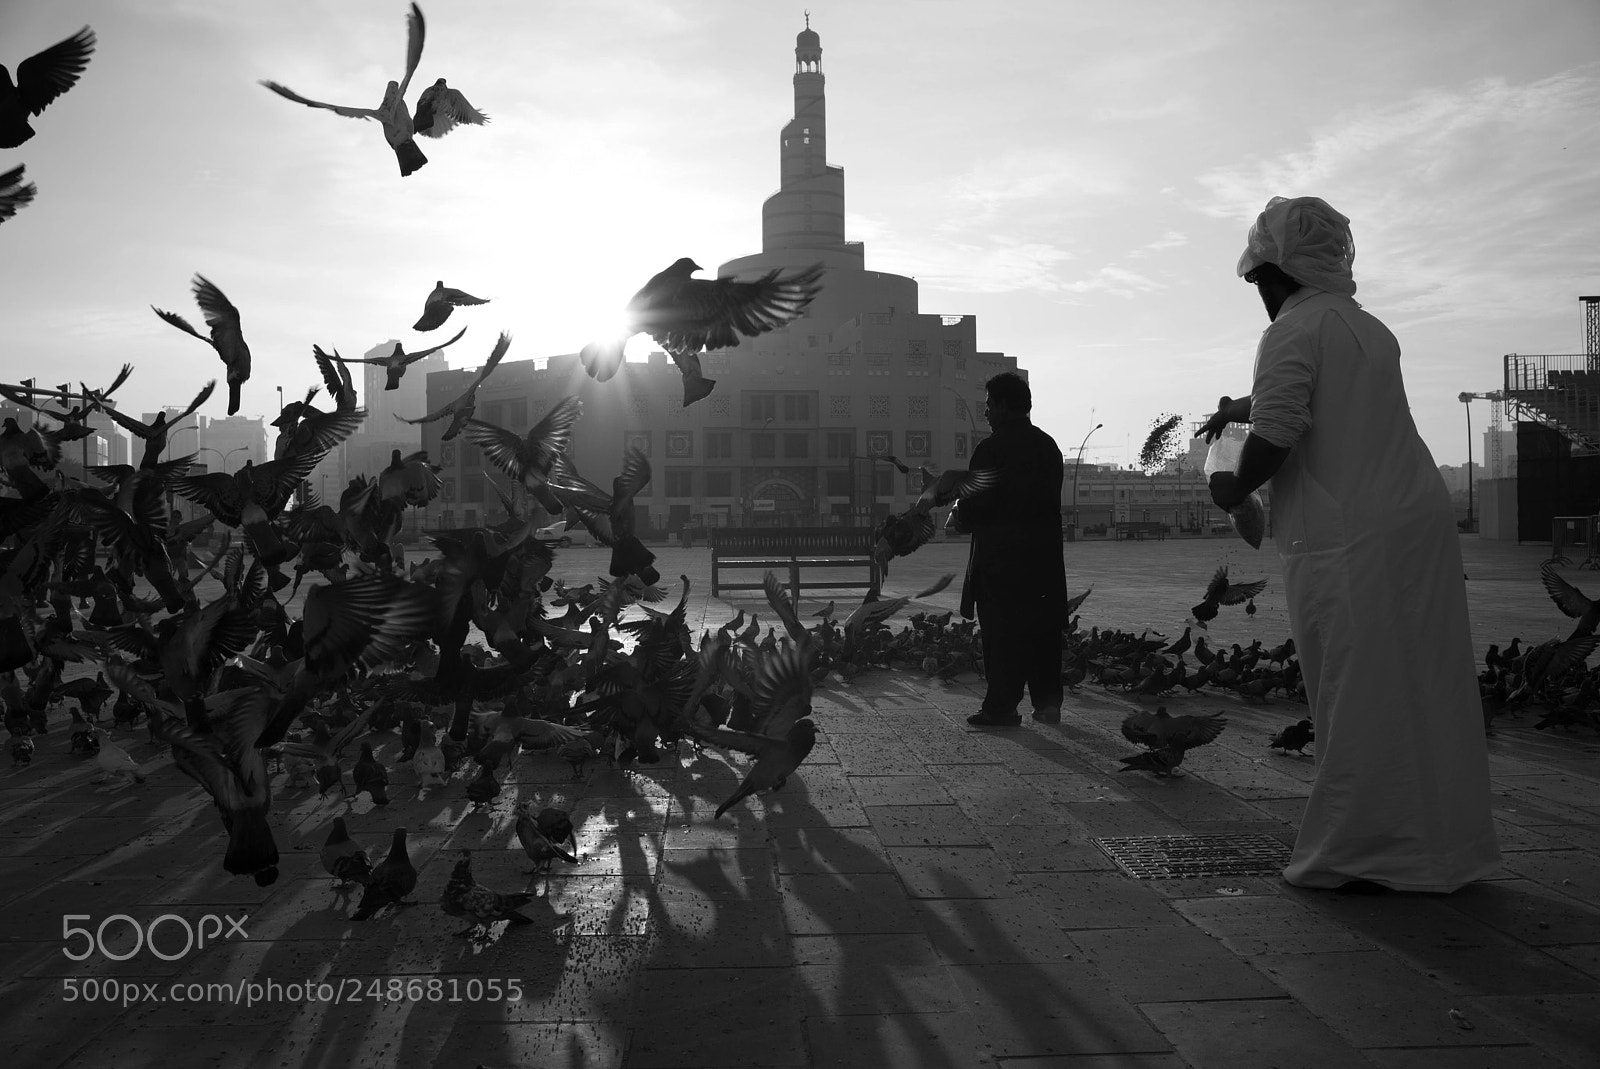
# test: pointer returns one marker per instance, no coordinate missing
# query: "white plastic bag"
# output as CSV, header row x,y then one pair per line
x,y
1250,518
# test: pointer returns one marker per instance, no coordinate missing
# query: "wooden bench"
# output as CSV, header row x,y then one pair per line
x,y
790,549
1139,530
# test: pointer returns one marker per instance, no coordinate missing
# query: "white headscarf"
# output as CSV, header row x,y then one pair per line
x,y
1308,239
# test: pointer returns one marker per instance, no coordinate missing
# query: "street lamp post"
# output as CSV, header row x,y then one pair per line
x,y
1075,468
1466,402
225,456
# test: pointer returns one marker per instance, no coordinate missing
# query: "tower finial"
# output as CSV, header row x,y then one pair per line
x,y
808,19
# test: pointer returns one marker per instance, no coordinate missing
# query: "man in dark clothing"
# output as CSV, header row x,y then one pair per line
x,y
1016,578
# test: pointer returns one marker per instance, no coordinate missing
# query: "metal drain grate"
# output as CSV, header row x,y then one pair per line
x,y
1176,857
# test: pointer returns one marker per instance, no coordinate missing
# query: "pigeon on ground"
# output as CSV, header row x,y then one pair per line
x,y
345,859
465,897
392,880
368,774
541,837
41,78
1294,737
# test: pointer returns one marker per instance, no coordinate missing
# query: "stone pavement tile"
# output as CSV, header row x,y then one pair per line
x,y
1046,848
1515,838
1035,760
876,755
803,804
21,877
1287,810
1373,1000
953,872
873,974
603,905
998,931
1265,1033
1571,872
1099,900
1010,805
1524,807
900,790
1529,912
946,746
1453,947
1257,782
244,983
1577,792
1115,819
829,850
698,829
163,1047
43,816
545,1044
1584,957
1068,1007
720,873
1190,798
1167,964
847,904
1565,1026
572,978
707,1018
1582,836
90,835
897,1041
371,1033
1098,1061
1090,786
1522,1056
1269,924
691,932
1192,887
38,916
923,825
41,1024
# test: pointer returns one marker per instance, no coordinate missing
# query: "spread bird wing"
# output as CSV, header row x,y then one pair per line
x,y
416,34
450,109
1073,603
954,484
1568,598
715,313
14,194
1187,732
338,109
218,310
1218,586
1239,593
45,75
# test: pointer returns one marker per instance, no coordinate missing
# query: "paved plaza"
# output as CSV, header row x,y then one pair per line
x,y
921,894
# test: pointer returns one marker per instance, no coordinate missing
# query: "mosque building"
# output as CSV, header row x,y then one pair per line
x,y
790,434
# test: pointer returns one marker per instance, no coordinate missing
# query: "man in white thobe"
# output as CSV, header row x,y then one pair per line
x,y
1372,570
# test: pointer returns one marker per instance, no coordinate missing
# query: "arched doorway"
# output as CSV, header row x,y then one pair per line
x,y
778,503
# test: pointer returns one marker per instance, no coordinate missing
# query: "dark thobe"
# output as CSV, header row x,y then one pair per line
x,y
1016,578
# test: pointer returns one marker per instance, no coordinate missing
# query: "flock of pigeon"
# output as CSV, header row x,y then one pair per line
x,y
1552,675
472,657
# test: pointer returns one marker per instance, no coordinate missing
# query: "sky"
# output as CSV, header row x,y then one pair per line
x,y
1080,176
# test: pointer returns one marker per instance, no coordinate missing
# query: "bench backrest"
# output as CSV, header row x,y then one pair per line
x,y
792,541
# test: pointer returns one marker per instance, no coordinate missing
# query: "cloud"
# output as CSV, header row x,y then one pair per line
x,y
1466,203
1172,239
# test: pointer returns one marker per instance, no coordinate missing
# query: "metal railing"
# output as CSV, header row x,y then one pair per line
x,y
1560,391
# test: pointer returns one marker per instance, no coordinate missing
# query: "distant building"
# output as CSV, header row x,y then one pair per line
x,y
790,433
